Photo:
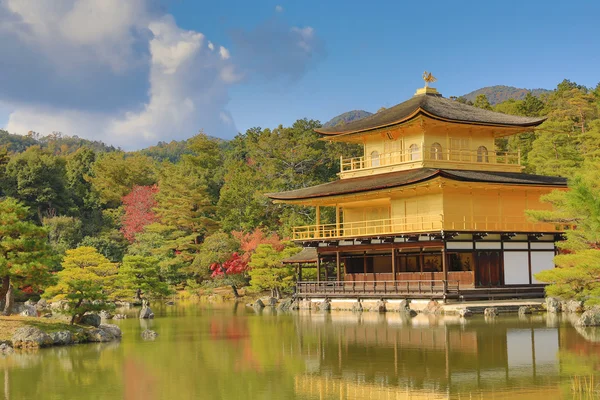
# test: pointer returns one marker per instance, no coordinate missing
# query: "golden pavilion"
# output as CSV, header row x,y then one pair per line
x,y
430,210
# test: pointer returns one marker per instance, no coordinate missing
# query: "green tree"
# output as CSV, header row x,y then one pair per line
x,y
577,272
140,276
86,200
115,174
63,233
268,273
110,243
481,101
25,256
86,282
37,178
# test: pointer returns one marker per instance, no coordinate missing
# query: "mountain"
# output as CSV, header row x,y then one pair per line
x,y
499,93
346,117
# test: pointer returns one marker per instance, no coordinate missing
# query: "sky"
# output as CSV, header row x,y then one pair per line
x,y
135,72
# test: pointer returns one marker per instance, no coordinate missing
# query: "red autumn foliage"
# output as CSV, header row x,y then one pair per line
x,y
250,241
138,205
235,265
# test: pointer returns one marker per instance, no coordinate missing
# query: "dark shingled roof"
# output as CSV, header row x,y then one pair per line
x,y
436,106
305,256
402,178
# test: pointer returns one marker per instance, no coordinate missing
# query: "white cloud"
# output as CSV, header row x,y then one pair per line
x,y
224,53
278,8
121,72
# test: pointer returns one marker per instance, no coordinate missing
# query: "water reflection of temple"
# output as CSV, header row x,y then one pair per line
x,y
389,356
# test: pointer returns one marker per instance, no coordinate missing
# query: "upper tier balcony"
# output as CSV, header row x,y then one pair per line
x,y
434,157
422,223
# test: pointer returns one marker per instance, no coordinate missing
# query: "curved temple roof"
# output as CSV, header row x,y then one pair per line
x,y
434,106
402,178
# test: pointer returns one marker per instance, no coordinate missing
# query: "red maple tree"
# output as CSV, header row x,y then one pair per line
x,y
235,265
138,205
250,241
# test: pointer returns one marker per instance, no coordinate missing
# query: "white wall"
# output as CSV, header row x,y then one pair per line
x,y
516,267
540,261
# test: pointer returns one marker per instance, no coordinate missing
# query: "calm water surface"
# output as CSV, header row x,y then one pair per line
x,y
233,353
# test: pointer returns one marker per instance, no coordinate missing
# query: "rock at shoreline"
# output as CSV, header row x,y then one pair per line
x,y
553,305
91,319
589,318
31,337
464,313
286,304
119,316
433,307
572,306
61,338
6,349
146,313
105,315
272,301
112,329
258,304
523,310
324,306
148,334
490,312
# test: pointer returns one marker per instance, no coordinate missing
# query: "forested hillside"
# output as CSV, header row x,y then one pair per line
x,y
194,213
500,93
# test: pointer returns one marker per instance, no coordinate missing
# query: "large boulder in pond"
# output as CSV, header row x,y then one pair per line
x,y
433,307
258,304
148,334
91,319
146,313
61,338
30,337
553,305
99,335
112,329
589,318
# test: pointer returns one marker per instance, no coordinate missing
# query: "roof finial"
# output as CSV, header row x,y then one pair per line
x,y
428,78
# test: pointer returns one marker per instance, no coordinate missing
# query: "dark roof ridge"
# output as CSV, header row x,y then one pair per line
x,y
435,107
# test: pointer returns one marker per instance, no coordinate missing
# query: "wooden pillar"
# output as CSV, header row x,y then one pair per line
x,y
318,268
365,264
337,264
394,264
444,263
300,272
337,220
318,221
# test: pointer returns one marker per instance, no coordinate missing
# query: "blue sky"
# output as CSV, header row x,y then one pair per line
x,y
152,77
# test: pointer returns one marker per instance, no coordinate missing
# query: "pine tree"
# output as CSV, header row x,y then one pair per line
x,y
268,273
25,255
140,276
86,282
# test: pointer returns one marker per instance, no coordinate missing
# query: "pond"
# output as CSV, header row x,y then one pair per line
x,y
228,352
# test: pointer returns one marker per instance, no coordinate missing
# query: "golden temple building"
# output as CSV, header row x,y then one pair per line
x,y
430,210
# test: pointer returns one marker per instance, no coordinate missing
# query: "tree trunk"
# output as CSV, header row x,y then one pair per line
x,y
4,289
10,299
77,317
138,295
235,292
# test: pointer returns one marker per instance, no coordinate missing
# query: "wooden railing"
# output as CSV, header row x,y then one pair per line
x,y
376,288
417,223
429,154
422,223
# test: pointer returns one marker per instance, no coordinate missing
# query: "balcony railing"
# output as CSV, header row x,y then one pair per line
x,y
412,156
422,223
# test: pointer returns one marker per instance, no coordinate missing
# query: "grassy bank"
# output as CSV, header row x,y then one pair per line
x,y
8,325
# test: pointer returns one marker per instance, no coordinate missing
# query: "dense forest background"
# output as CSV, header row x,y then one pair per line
x,y
199,203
